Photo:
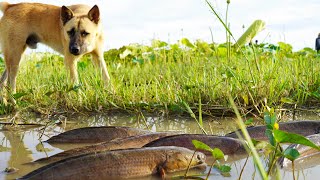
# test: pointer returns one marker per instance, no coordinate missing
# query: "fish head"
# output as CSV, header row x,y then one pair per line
x,y
180,160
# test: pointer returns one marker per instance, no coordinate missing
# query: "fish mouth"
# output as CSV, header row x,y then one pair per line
x,y
201,166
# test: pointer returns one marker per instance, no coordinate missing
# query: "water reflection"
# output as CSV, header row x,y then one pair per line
x,y
19,146
19,153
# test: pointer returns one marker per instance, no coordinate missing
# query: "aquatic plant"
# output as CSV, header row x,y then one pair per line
x,y
217,155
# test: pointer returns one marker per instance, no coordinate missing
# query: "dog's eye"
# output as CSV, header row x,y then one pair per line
x,y
84,33
71,32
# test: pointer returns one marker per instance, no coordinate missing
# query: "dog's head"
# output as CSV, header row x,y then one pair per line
x,y
80,30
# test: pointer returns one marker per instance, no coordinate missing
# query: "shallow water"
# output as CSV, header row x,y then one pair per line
x,y
20,145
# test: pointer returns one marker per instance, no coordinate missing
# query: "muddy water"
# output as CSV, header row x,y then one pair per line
x,y
20,145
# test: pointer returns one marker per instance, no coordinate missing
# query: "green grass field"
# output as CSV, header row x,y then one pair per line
x,y
161,76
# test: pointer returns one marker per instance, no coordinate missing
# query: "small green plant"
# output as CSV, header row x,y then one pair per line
x,y
272,149
217,155
277,138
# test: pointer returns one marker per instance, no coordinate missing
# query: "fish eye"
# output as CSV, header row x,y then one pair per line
x,y
199,157
84,33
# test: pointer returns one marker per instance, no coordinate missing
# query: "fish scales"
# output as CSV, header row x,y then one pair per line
x,y
95,134
228,145
119,143
304,128
129,163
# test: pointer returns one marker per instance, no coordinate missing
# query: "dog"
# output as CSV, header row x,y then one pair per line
x,y
72,31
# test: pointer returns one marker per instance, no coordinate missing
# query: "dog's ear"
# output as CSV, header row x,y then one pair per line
x,y
66,14
94,14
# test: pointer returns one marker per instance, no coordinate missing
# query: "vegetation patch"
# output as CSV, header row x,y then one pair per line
x,y
163,77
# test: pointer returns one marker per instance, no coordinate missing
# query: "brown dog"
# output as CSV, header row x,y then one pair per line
x,y
72,31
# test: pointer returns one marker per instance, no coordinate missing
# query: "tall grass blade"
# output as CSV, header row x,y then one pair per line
x,y
245,133
193,116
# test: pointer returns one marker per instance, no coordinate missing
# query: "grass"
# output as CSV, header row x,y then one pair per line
x,y
168,78
161,77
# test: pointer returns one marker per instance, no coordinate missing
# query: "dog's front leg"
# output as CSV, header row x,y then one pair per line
x,y
99,62
3,82
71,66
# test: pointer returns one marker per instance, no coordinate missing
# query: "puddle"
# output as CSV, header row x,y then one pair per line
x,y
22,145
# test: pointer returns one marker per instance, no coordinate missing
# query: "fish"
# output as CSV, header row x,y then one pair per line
x,y
95,134
119,143
229,146
119,164
309,157
303,128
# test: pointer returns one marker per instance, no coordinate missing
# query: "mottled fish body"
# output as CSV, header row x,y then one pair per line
x,y
95,134
119,164
119,143
229,146
304,128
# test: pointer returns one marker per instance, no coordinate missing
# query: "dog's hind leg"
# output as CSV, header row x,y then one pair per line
x,y
99,62
12,55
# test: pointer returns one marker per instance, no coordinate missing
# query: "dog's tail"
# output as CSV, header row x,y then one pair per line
x,y
4,6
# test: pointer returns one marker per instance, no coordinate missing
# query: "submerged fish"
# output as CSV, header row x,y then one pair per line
x,y
119,143
308,158
303,128
118,164
95,134
229,146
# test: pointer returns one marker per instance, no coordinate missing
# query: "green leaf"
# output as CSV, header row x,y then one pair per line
x,y
158,44
74,88
125,53
82,65
222,51
270,120
266,146
287,100
285,47
256,27
201,146
203,46
217,153
291,154
175,47
246,102
249,121
270,136
285,137
224,168
316,94
187,43
267,118
138,60
19,95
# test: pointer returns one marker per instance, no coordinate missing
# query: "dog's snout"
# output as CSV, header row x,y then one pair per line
x,y
75,50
